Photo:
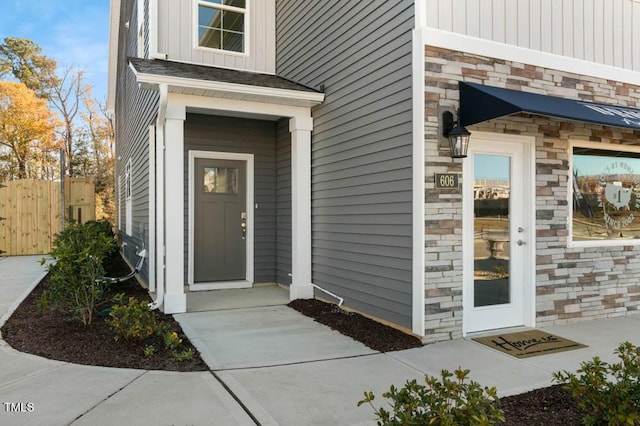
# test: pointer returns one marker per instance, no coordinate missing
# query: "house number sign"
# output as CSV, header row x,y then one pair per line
x,y
447,180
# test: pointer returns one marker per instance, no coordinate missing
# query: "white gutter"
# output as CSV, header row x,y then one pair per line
x,y
114,21
152,207
159,198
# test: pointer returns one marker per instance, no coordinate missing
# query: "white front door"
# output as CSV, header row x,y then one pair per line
x,y
498,233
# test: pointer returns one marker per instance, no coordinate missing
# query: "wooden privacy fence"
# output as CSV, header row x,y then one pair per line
x,y
30,212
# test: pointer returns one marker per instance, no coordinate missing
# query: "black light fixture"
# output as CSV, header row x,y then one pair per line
x,y
458,136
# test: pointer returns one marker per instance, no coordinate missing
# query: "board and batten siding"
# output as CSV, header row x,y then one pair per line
x,y
360,52
601,31
227,134
135,110
176,37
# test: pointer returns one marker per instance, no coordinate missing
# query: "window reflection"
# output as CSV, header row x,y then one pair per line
x,y
220,180
606,195
491,192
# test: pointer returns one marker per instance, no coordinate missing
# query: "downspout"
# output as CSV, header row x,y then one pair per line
x,y
325,291
340,299
160,183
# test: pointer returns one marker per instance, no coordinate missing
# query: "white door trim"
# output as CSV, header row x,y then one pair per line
x,y
216,155
528,235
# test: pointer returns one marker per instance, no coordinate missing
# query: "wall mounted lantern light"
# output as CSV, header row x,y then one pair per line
x,y
458,136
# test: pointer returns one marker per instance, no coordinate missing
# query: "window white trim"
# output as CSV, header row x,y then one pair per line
x,y
614,148
246,32
249,271
120,196
140,28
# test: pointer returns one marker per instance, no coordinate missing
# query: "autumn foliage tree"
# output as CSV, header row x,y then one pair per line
x,y
81,126
26,128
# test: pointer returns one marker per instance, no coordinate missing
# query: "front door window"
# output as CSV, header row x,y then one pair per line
x,y
491,196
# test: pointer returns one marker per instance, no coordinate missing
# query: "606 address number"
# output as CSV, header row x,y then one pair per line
x,y
447,180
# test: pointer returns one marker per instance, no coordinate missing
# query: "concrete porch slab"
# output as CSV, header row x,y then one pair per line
x,y
215,300
265,336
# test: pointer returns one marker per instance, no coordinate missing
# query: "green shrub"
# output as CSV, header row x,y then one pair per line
x,y
79,253
439,403
133,320
608,393
149,351
186,355
171,340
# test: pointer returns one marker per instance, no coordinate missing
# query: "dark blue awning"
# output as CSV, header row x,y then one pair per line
x,y
480,103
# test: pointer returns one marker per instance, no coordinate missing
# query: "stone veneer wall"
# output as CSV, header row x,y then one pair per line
x,y
571,283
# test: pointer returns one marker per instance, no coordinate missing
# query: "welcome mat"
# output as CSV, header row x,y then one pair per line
x,y
529,343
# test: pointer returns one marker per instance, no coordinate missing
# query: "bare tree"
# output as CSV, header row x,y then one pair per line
x,y
67,96
101,136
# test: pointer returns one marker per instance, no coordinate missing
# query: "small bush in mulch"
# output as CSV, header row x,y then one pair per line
x,y
449,400
55,335
80,253
608,393
373,334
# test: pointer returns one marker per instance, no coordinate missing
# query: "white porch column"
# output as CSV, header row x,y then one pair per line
x,y
175,300
300,128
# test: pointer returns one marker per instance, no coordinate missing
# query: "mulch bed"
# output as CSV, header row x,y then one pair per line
x,y
53,336
546,406
373,334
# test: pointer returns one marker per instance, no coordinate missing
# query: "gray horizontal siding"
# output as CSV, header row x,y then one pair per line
x,y
283,203
361,145
135,110
226,134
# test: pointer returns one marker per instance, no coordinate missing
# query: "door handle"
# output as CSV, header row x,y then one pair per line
x,y
243,224
520,242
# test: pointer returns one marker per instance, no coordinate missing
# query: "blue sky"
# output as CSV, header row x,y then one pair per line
x,y
491,167
73,32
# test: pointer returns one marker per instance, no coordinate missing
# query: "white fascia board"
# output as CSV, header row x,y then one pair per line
x,y
239,106
231,88
463,43
114,20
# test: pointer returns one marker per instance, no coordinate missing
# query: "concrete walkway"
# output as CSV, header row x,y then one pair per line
x,y
269,366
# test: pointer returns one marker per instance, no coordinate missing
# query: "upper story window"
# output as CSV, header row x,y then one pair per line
x,y
222,24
